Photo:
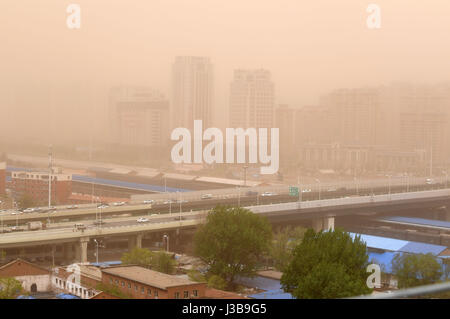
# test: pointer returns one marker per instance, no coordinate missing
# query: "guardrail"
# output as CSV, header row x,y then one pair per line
x,y
410,292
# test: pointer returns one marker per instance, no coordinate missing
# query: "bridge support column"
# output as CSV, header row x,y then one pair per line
x,y
323,223
135,241
67,253
82,257
447,215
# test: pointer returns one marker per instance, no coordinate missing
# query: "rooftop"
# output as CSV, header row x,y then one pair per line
x,y
147,276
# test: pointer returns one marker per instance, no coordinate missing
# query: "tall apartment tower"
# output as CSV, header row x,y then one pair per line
x,y
252,99
139,116
192,91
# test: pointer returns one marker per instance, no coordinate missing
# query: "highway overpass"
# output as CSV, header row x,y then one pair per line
x,y
320,212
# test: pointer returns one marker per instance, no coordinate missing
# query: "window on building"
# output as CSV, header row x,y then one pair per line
x,y
123,284
195,293
155,294
110,280
129,286
186,294
143,290
177,295
149,291
135,287
117,282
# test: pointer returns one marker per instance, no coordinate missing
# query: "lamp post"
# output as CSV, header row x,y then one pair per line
x,y
320,188
96,251
166,237
239,196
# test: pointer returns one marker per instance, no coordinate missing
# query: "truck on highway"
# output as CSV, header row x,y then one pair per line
x,y
35,225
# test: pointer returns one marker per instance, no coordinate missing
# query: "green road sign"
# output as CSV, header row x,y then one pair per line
x,y
293,191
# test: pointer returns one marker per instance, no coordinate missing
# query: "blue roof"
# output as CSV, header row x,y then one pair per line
x,y
419,221
114,183
137,186
397,245
107,263
66,296
383,243
272,294
259,282
383,259
25,297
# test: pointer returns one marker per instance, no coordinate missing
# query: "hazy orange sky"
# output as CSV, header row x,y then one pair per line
x,y
311,47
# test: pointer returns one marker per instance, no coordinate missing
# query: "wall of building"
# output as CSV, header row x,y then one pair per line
x,y
42,282
2,178
139,290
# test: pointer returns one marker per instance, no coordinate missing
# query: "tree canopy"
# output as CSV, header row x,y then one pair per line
x,y
159,261
416,269
327,264
231,242
10,288
283,244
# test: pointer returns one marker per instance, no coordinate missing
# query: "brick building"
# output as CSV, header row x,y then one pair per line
x,y
2,178
35,185
142,283
33,277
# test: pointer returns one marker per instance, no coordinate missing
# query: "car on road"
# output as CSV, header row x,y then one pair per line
x,y
148,201
79,226
207,196
268,194
251,193
72,207
430,181
180,218
307,190
99,222
119,203
16,213
16,228
169,201
102,206
142,220
152,215
28,210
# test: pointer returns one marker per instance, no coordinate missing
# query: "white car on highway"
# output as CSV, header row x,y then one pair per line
x,y
148,201
119,204
268,194
142,220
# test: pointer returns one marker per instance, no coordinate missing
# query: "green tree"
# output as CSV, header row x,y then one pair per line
x,y
231,242
416,269
328,264
217,282
159,261
283,244
10,288
163,262
137,256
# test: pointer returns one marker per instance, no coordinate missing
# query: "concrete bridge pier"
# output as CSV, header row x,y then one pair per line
x,y
323,223
67,250
135,241
83,249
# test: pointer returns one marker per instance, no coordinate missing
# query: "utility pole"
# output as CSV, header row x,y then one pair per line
x,y
50,155
245,175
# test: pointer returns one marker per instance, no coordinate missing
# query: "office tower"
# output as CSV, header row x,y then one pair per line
x,y
252,99
139,116
192,91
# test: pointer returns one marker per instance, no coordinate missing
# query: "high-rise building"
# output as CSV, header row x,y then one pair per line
x,y
192,91
285,121
252,98
139,116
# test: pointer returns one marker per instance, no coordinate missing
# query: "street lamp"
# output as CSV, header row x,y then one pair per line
x,y
166,237
96,252
320,188
239,196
